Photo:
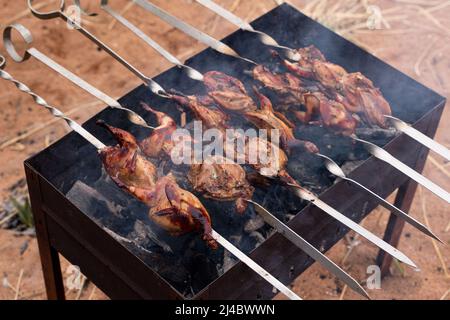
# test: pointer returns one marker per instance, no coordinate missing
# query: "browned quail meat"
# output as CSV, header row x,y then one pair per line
x,y
315,106
288,87
160,143
172,208
179,211
304,67
265,118
357,90
125,165
214,178
332,113
222,180
204,111
228,92
354,90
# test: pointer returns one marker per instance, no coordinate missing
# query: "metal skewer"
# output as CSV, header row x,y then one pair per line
x,y
309,196
26,34
99,145
154,86
105,98
192,73
243,25
191,31
335,214
309,249
54,111
419,137
337,171
385,156
331,166
293,55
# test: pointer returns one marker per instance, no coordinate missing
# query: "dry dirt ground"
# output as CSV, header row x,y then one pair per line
x,y
416,43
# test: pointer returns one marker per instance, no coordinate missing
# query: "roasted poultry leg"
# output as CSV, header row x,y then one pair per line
x,y
220,85
172,208
354,90
306,105
216,177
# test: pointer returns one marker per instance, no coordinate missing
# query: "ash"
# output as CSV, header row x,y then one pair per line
x,y
184,261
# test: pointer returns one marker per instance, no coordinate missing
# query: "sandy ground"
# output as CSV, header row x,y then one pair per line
x,y
419,47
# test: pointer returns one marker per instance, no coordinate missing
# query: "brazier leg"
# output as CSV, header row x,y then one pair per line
x,y
51,267
395,225
405,197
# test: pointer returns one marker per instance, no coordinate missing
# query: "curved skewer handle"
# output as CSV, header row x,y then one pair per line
x,y
26,34
153,85
54,111
420,137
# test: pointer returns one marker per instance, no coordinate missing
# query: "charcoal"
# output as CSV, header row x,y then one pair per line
x,y
254,224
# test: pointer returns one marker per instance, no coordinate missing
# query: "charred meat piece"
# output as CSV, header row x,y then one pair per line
x,y
332,113
307,105
289,90
265,157
220,179
355,91
172,208
265,118
270,162
228,92
126,165
159,144
179,211
288,87
304,67
203,110
216,178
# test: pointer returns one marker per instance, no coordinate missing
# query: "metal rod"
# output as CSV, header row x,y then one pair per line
x,y
243,25
26,35
337,171
255,267
317,255
309,196
54,111
415,134
420,137
309,249
154,86
99,145
385,156
340,217
191,31
191,72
